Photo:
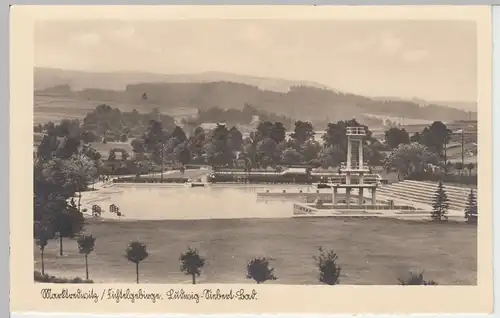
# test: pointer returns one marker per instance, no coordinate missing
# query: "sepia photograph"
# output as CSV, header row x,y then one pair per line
x,y
256,151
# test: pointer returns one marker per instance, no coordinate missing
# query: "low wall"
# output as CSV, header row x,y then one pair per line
x,y
303,209
149,180
372,207
308,197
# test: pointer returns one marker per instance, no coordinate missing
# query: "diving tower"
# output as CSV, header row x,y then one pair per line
x,y
354,173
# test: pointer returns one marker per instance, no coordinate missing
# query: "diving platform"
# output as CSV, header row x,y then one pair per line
x,y
354,167
354,178
352,191
357,131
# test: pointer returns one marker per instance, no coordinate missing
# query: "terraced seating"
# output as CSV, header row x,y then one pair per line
x,y
426,193
419,195
423,192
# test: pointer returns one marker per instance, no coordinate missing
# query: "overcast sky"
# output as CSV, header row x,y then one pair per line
x,y
432,60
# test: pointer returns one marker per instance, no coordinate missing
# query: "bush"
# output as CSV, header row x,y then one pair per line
x,y
45,278
415,279
259,270
329,270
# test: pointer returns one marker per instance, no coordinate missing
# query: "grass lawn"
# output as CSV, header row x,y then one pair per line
x,y
371,251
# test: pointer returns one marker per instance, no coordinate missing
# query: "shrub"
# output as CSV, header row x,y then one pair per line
x,y
329,271
415,279
45,278
259,270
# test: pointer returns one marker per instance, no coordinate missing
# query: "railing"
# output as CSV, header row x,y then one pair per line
x,y
355,131
244,173
354,180
373,207
355,166
303,209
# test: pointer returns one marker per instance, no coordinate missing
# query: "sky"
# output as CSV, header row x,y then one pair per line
x,y
432,60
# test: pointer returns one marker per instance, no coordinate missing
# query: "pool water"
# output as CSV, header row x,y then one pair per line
x,y
157,202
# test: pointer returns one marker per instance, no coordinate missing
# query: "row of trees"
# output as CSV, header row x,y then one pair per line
x,y
65,166
270,146
267,146
258,269
412,158
106,124
433,137
160,140
234,117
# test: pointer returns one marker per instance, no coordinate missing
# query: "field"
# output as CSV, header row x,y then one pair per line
x,y
371,251
55,108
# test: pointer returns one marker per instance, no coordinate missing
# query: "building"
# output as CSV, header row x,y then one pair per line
x,y
210,126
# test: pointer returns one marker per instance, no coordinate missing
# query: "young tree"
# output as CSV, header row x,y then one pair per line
x,y
395,136
217,150
331,156
81,170
471,208
42,239
179,135
415,279
258,269
235,140
136,252
264,130
303,131
291,156
278,132
86,243
436,137
183,155
440,205
408,158
266,151
329,271
67,222
192,263
310,150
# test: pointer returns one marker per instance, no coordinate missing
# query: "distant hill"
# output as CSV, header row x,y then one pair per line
x,y
78,80
462,105
307,101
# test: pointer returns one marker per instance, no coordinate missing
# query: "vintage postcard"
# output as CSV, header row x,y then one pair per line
x,y
251,159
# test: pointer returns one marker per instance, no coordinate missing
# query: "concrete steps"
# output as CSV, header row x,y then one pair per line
x,y
423,192
420,196
426,190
